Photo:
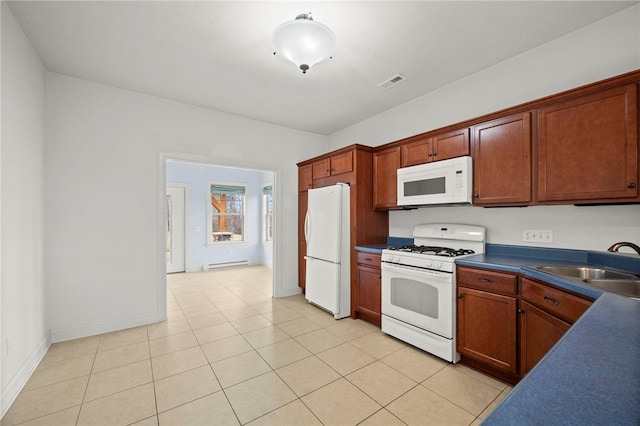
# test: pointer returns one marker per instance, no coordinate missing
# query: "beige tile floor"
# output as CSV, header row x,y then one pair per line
x,y
229,354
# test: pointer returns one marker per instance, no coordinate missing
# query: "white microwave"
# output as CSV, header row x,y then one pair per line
x,y
440,182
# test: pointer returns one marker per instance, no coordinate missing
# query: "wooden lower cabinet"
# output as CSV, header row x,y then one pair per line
x,y
553,300
506,322
486,328
539,331
368,294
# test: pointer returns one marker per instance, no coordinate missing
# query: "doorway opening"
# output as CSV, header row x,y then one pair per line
x,y
226,222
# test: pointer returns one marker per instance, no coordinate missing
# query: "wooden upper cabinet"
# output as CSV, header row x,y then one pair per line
x,y
321,168
588,148
451,144
385,189
305,179
423,149
340,163
417,150
502,161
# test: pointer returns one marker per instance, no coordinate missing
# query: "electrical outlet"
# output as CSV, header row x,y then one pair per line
x,y
537,235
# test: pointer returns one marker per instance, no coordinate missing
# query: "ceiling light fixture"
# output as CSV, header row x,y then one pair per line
x,y
304,41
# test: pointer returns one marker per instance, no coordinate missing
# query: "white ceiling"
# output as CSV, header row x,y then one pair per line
x,y
217,54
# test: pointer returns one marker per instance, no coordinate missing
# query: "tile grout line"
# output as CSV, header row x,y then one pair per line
x,y
153,379
84,395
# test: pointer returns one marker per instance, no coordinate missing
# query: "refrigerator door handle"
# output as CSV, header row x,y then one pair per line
x,y
315,258
307,225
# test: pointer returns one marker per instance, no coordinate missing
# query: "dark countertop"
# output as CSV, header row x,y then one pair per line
x,y
592,375
391,242
372,248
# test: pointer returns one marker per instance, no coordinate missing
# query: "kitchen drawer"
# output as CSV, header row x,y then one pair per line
x,y
369,259
555,301
482,279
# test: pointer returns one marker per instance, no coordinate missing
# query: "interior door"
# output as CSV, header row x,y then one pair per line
x,y
175,226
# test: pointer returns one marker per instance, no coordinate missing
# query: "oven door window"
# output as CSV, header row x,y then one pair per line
x,y
415,296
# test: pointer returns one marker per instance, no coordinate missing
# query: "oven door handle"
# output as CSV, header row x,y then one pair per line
x,y
404,269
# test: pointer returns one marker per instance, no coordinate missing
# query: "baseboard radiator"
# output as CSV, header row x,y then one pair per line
x,y
224,265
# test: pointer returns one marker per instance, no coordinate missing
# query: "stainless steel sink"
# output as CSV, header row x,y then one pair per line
x,y
629,288
585,272
606,279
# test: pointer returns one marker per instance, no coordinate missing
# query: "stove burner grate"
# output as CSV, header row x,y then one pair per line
x,y
433,250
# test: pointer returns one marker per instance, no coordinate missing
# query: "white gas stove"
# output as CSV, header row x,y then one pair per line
x,y
437,246
418,285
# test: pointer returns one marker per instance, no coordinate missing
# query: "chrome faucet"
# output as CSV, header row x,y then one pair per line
x,y
614,248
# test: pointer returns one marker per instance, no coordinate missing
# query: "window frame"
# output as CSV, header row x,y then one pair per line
x,y
264,214
210,214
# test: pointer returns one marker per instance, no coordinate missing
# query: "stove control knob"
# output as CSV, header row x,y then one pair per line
x,y
427,263
437,265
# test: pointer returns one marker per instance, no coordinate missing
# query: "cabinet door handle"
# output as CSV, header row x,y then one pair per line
x,y
631,185
435,154
521,311
550,300
485,280
476,195
460,296
429,155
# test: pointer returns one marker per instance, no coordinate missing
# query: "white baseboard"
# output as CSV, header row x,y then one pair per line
x,y
16,383
65,334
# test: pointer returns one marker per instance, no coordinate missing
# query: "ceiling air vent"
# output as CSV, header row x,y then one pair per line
x,y
392,81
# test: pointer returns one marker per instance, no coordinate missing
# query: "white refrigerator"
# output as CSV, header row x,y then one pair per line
x,y
326,229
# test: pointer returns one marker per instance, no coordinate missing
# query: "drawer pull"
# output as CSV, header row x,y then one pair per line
x,y
550,300
485,280
368,259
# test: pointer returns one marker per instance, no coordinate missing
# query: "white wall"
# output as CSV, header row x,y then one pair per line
x,y
105,193
583,228
197,177
22,280
604,49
